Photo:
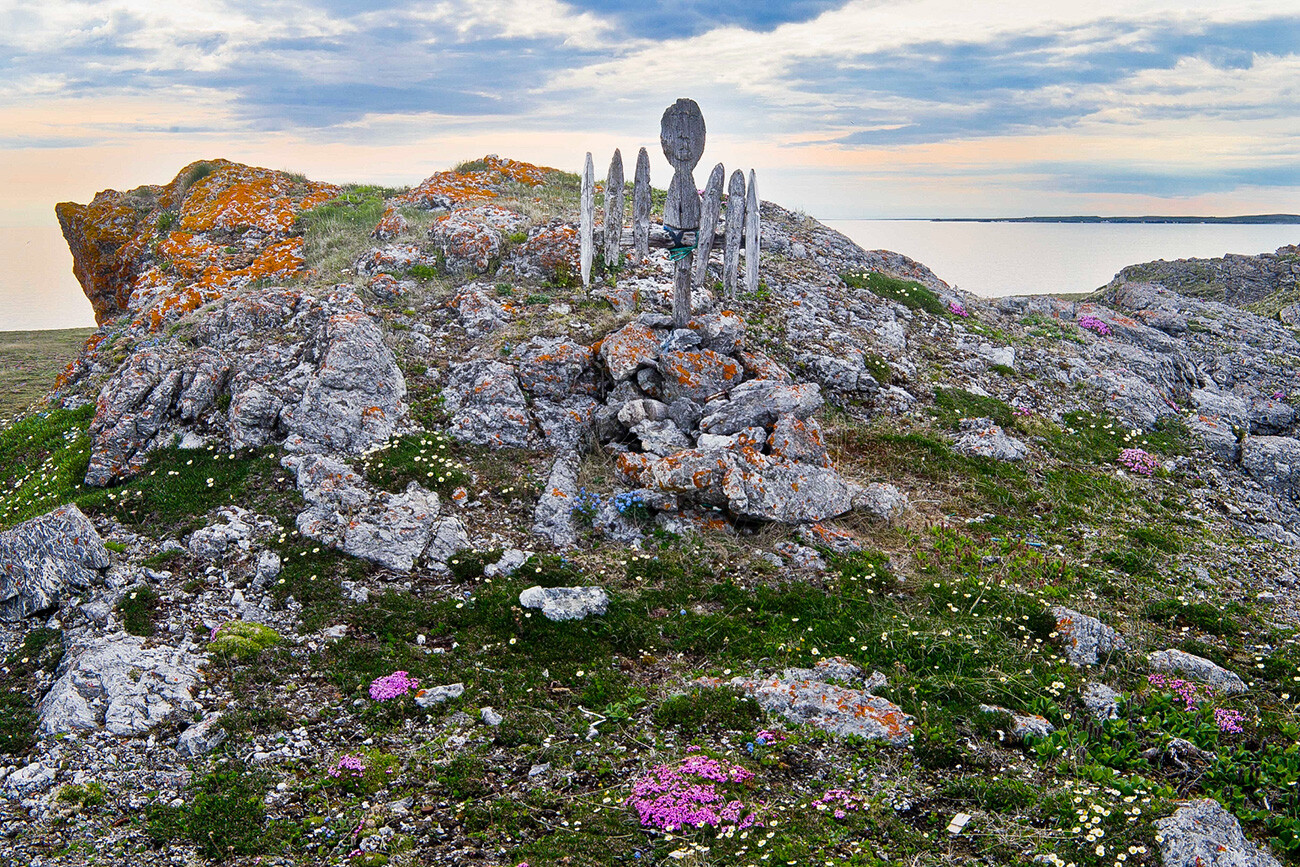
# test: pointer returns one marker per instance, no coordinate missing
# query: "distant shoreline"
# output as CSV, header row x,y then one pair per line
x,y
1245,220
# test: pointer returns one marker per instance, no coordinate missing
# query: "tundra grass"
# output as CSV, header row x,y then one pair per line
x,y
30,362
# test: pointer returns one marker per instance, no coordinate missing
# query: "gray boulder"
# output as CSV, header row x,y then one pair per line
x,y
1086,639
982,438
698,375
1101,701
882,501
786,493
1023,725
433,695
1203,834
809,696
41,558
487,405
202,737
759,403
552,366
1274,462
566,603
660,437
1197,668
118,683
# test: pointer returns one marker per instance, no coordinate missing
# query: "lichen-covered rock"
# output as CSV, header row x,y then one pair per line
x,y
119,684
390,225
1023,725
487,405
798,440
553,368
788,493
215,540
202,737
807,696
566,603
553,515
42,558
982,438
1203,834
1197,668
111,238
882,501
392,530
471,238
1101,701
660,437
565,425
629,348
1086,639
698,375
759,403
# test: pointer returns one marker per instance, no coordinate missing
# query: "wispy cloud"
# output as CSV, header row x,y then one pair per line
x,y
1158,97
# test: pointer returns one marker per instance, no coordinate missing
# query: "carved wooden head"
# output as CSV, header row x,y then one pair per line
x,y
681,133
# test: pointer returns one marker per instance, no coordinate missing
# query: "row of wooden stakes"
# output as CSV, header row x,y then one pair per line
x,y
740,227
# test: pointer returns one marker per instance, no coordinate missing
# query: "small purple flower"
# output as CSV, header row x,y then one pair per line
x,y
1092,323
353,766
392,685
1279,395
957,309
1229,720
1139,461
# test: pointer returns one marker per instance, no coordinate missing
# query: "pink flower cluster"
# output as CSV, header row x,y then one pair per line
x,y
1189,692
957,309
686,795
1139,461
1092,323
1229,720
392,685
842,801
766,736
353,766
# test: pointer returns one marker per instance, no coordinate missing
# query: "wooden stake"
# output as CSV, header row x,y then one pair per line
x,y
614,210
641,207
587,220
709,211
752,233
735,230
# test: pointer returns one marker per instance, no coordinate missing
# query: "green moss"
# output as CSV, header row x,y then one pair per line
x,y
43,458
906,292
426,458
241,641
90,794
953,404
138,607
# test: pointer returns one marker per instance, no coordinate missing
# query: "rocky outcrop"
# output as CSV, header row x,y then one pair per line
x,y
1203,834
566,603
393,530
160,251
41,559
120,684
1233,279
336,387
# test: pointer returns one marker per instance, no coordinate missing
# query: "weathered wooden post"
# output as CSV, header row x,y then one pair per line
x,y
681,134
734,229
614,210
752,232
641,207
587,220
709,211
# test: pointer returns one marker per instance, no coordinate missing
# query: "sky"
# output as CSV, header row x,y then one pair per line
x,y
859,109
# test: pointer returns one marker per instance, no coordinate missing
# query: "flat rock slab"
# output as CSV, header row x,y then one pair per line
x,y
982,438
41,557
566,603
809,696
1086,639
1197,668
632,346
1204,834
121,685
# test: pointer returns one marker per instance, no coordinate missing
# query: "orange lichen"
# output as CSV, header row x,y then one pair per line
x,y
448,189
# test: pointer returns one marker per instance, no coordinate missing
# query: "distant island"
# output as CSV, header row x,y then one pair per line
x,y
1248,219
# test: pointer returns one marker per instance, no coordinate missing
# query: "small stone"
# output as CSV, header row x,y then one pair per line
x,y
491,717
566,603
439,694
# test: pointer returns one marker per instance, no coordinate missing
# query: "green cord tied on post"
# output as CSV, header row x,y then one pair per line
x,y
678,249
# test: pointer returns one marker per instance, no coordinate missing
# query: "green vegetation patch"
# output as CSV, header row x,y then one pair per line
x,y
906,292
954,404
223,814
138,609
426,458
43,458
41,650
241,641
30,362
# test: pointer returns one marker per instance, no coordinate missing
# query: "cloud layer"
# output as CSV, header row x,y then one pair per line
x,y
863,108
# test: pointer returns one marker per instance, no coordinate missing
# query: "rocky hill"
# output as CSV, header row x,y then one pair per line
x,y
360,533
1265,284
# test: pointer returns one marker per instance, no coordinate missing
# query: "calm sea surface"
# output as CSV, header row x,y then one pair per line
x,y
992,259
37,289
